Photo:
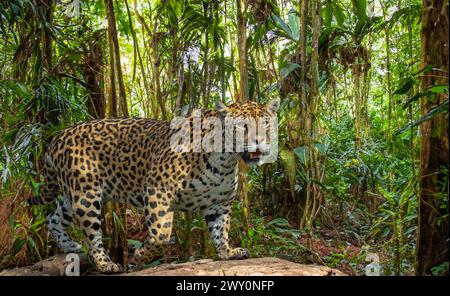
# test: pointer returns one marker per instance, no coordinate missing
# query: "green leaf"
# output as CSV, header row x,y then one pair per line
x,y
415,98
439,88
423,70
20,89
288,159
117,221
11,222
360,6
302,153
16,10
286,31
279,222
439,109
338,13
17,246
434,89
293,25
134,243
320,147
285,71
327,13
31,243
177,7
405,87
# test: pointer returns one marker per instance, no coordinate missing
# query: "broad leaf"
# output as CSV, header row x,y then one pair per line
x,y
293,25
285,71
327,13
360,6
289,163
286,31
405,87
338,13
302,153
17,246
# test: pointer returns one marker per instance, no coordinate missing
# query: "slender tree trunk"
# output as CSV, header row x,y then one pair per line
x,y
181,91
205,66
222,54
46,36
155,62
314,101
111,85
313,198
432,237
302,60
241,7
410,94
302,102
112,35
389,84
138,53
356,71
156,71
192,105
45,8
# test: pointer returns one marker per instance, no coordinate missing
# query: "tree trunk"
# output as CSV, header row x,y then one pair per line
x,y
114,46
111,85
356,71
302,59
46,36
410,94
312,109
138,53
181,91
432,237
93,76
389,83
205,66
46,52
313,199
241,7
300,125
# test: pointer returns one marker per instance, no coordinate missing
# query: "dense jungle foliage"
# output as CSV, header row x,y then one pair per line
x,y
363,125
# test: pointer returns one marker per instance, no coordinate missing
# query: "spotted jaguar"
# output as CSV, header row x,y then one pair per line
x,y
133,161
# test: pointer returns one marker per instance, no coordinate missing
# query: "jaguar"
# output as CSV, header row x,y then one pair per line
x,y
132,160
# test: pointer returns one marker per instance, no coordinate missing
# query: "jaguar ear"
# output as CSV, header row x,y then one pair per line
x,y
221,107
273,106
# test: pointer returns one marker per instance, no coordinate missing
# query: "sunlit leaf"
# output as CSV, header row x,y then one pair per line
x,y
289,163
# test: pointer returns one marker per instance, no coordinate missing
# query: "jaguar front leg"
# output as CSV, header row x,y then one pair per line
x,y
158,218
218,220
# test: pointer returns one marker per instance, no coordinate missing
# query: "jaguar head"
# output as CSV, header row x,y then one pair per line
x,y
251,130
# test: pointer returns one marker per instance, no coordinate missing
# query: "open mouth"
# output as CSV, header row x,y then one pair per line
x,y
252,156
255,155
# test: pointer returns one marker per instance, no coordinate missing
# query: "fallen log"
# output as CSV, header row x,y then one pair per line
x,y
59,264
